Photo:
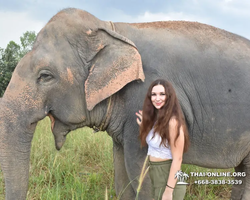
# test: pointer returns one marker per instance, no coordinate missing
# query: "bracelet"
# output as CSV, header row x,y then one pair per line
x,y
170,186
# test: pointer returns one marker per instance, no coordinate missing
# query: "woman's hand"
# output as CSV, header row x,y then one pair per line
x,y
139,119
168,194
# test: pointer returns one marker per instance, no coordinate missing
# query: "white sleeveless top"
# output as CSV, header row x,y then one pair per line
x,y
154,148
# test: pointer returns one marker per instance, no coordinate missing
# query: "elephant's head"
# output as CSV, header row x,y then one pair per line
x,y
77,61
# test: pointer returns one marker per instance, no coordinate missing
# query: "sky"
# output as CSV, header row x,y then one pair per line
x,y
19,16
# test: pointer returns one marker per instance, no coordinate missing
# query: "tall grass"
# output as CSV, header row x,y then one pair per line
x,y
83,169
197,191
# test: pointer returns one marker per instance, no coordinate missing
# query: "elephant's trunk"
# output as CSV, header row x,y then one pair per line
x,y
15,144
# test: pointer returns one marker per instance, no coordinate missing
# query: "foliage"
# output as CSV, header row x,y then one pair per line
x,y
10,56
27,41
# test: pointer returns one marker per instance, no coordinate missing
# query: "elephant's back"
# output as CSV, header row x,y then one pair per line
x,y
199,32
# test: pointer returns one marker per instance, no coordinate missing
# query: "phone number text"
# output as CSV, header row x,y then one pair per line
x,y
218,182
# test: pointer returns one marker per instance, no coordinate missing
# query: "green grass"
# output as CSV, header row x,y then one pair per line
x,y
83,169
197,191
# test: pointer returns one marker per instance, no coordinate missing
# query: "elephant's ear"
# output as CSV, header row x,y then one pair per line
x,y
117,63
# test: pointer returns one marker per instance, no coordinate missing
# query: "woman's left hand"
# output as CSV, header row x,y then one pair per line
x,y
168,194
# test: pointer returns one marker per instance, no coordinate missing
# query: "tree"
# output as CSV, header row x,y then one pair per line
x,y
27,41
10,57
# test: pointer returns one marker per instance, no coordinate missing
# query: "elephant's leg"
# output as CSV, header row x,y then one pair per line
x,y
134,159
246,169
122,187
237,190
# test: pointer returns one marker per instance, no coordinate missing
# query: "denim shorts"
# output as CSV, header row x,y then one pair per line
x,y
159,172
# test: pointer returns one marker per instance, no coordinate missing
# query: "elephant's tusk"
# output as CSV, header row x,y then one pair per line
x,y
52,119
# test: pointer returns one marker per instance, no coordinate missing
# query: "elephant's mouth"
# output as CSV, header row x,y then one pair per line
x,y
59,131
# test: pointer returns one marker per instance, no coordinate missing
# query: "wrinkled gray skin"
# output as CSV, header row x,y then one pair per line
x,y
76,56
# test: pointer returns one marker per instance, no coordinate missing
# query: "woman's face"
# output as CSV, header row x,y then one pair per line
x,y
158,96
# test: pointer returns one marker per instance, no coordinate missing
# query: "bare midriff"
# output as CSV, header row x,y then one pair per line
x,y
154,159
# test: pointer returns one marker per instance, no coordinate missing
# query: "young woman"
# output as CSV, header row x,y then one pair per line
x,y
163,129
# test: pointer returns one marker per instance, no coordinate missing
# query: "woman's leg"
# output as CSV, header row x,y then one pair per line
x,y
159,172
179,192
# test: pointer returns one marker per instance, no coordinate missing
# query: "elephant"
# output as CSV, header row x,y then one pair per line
x,y
85,72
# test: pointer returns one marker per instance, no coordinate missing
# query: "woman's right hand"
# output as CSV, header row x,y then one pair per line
x,y
139,117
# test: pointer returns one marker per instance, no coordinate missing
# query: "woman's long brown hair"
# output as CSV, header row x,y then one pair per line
x,y
160,118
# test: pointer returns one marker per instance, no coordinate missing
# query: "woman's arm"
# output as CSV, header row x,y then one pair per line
x,y
177,153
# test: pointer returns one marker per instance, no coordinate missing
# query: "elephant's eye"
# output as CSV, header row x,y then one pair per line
x,y
44,76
